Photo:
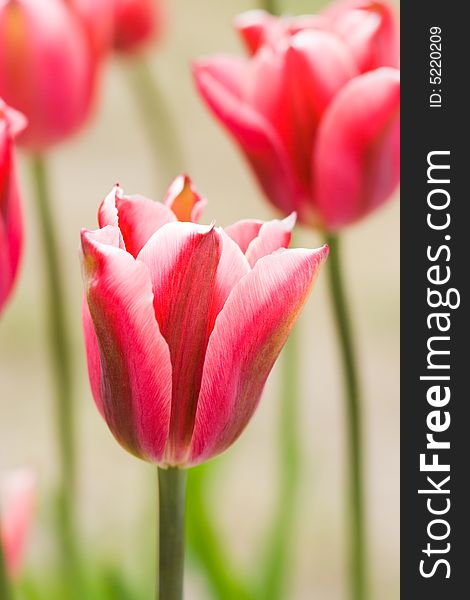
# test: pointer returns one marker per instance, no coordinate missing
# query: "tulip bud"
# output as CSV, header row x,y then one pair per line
x,y
17,499
184,322
136,23
315,108
47,68
11,223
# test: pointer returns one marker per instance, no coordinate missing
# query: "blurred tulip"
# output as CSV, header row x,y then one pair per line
x,y
136,23
11,223
321,135
184,322
48,69
97,18
17,499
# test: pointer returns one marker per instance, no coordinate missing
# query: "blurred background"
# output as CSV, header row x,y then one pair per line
x,y
117,492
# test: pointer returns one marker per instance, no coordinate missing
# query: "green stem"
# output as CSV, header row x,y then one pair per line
x,y
357,548
5,590
61,360
281,537
206,545
270,6
172,501
156,116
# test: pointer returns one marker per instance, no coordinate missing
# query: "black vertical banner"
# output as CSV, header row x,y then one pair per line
x,y
435,330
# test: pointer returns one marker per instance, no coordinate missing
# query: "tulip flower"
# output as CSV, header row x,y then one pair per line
x,y
11,225
17,499
315,109
183,322
47,68
136,23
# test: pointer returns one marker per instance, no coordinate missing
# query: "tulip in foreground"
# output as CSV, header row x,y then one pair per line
x,y
48,68
183,322
314,108
11,225
17,499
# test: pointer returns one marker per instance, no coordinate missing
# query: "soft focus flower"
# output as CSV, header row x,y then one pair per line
x,y
17,499
136,23
183,322
97,18
315,108
11,224
48,68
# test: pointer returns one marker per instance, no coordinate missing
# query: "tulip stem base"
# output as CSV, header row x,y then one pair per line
x,y
61,361
5,591
172,505
157,119
356,520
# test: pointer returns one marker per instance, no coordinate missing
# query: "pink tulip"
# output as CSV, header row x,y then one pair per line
x,y
48,69
136,23
17,499
183,322
319,129
11,223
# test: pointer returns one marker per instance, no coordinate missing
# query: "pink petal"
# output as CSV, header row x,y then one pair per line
x,y
356,159
254,134
11,219
182,259
184,200
134,359
247,338
272,236
243,232
320,65
138,217
371,31
256,27
193,270
17,500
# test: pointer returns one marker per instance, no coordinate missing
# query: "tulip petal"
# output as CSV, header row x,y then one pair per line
x,y
371,31
256,27
11,220
134,358
356,159
184,200
17,500
272,236
247,338
243,232
138,218
182,259
253,133
320,65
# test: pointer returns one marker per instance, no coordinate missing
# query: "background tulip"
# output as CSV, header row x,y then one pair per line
x,y
47,68
136,23
11,226
17,499
183,323
299,109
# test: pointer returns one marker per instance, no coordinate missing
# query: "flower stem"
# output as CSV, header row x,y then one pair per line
x,y
157,119
172,501
270,6
280,540
61,361
357,543
5,590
